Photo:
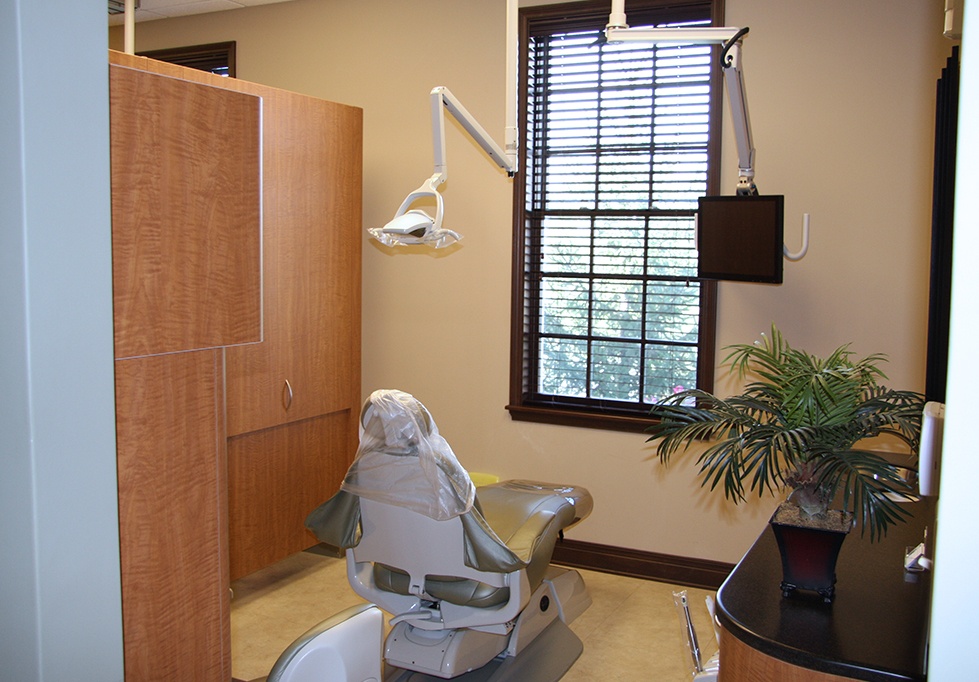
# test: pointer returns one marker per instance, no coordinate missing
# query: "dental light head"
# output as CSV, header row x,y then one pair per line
x,y
417,226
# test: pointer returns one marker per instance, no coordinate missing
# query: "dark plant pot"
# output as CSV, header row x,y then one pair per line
x,y
809,552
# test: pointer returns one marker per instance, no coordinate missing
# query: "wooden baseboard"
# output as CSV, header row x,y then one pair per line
x,y
700,573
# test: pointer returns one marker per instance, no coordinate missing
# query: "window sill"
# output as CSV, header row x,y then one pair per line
x,y
580,418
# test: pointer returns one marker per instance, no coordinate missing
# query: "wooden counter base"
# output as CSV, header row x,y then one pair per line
x,y
741,663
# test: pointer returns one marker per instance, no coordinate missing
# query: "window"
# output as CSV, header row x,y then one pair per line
x,y
619,142
217,58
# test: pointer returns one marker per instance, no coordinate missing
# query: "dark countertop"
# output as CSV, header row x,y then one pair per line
x,y
875,629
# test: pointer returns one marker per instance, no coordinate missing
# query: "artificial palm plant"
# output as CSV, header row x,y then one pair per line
x,y
799,424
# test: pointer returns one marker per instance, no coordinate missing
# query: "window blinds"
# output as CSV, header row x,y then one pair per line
x,y
617,140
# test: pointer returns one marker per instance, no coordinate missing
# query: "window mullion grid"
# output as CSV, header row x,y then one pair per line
x,y
644,312
645,347
591,304
537,121
596,198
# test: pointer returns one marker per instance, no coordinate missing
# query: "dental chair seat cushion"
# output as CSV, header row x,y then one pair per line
x,y
526,519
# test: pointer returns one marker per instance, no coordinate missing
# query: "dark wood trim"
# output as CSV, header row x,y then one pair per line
x,y
942,227
201,57
701,573
580,418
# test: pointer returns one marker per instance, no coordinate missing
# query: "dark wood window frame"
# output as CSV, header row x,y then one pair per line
x,y
217,58
526,402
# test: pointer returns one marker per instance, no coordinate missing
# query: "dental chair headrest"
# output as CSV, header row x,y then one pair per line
x,y
395,416
402,459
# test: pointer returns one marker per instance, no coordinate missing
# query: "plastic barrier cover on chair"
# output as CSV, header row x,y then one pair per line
x,y
402,460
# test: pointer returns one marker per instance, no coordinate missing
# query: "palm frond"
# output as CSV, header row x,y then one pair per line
x,y
872,488
798,414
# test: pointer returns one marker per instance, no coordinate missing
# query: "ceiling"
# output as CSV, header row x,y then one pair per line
x,y
162,9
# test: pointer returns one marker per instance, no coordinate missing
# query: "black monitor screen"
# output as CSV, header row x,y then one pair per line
x,y
740,238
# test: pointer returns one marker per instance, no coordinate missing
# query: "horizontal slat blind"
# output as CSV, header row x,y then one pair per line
x,y
617,140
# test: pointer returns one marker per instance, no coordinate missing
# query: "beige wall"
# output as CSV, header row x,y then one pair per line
x,y
841,98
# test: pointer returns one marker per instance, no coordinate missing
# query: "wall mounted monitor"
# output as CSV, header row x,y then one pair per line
x,y
740,238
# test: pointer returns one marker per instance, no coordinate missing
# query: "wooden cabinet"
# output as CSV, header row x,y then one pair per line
x,y
293,401
742,662
186,257
875,629
309,364
186,243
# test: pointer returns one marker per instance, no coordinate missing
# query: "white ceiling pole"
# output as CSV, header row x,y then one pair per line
x,y
510,143
616,18
129,32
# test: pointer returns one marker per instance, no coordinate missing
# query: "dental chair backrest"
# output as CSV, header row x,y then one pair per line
x,y
417,517
407,561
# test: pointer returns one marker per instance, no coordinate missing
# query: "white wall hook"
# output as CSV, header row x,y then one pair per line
x,y
805,242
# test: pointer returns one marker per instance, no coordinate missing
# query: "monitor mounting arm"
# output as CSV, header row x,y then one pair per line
x,y
734,77
618,30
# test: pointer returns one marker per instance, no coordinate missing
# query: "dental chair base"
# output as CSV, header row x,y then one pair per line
x,y
546,659
444,654
347,648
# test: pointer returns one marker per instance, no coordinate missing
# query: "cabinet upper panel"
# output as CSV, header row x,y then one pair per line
x,y
186,214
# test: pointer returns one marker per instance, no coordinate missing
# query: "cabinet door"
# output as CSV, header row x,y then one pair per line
x,y
275,478
309,363
172,517
186,214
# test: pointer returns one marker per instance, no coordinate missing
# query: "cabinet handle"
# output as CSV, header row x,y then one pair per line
x,y
287,395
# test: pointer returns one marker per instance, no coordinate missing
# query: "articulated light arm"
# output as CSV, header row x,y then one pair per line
x,y
618,31
415,226
443,99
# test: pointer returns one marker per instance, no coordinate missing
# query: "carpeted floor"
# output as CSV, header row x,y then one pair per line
x,y
631,631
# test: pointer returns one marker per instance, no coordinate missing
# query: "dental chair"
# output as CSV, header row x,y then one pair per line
x,y
464,572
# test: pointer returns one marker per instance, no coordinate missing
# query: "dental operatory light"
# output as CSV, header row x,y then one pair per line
x,y
417,226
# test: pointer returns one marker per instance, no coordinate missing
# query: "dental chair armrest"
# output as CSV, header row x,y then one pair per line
x,y
483,549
